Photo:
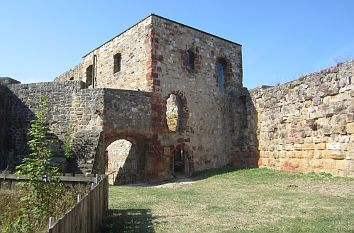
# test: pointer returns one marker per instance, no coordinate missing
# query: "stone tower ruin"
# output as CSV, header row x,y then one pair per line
x,y
163,99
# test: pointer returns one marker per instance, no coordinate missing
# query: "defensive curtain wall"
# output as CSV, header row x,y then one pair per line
x,y
303,125
96,116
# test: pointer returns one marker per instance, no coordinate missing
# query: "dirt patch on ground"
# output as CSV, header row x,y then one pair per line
x,y
174,184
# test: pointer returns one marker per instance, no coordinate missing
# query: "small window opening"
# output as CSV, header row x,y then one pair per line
x,y
174,113
220,73
190,60
89,75
117,62
71,78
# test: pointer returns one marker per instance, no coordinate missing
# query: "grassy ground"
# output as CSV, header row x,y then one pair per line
x,y
225,200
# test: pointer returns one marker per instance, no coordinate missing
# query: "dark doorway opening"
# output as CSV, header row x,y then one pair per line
x,y
181,163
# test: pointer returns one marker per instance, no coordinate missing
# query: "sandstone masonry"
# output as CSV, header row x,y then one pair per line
x,y
164,99
303,125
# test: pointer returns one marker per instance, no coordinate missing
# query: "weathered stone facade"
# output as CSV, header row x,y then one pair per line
x,y
122,91
87,111
152,57
303,125
131,44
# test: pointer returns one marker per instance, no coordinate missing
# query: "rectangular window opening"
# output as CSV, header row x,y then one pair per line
x,y
89,75
117,62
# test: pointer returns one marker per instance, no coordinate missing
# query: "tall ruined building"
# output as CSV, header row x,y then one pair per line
x,y
164,99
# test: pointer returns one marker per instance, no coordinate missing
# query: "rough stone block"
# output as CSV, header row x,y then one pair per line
x,y
350,128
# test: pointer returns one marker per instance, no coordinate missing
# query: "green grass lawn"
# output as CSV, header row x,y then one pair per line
x,y
229,200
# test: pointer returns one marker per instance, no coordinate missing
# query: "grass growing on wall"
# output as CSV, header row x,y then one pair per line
x,y
229,200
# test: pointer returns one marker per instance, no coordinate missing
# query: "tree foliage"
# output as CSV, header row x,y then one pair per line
x,y
42,187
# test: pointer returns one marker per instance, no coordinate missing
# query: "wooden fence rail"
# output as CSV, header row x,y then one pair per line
x,y
87,215
9,181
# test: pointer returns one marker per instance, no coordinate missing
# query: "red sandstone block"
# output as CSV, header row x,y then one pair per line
x,y
154,75
156,99
156,82
156,89
156,107
179,140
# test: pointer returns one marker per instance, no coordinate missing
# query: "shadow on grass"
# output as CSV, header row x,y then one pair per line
x,y
200,175
128,220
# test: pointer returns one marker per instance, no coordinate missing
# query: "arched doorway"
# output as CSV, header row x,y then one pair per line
x,y
181,163
122,159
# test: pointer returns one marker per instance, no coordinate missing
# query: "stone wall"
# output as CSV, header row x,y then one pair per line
x,y
133,70
68,104
75,73
153,60
206,119
2,126
304,125
86,111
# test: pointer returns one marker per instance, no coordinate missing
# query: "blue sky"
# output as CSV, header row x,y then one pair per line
x,y
281,40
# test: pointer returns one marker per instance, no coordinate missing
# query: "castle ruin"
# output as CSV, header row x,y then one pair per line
x,y
163,99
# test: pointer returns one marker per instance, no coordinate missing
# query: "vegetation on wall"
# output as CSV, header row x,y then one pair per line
x,y
42,195
68,144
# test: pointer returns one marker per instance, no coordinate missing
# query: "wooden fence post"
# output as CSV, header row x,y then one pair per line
x,y
51,222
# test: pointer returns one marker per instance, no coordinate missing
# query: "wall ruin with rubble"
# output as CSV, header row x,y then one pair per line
x,y
303,125
87,113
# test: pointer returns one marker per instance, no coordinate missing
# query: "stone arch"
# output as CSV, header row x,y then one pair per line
x,y
182,160
223,72
125,159
176,111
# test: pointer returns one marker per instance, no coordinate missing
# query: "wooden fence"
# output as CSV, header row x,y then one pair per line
x,y
8,181
86,215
